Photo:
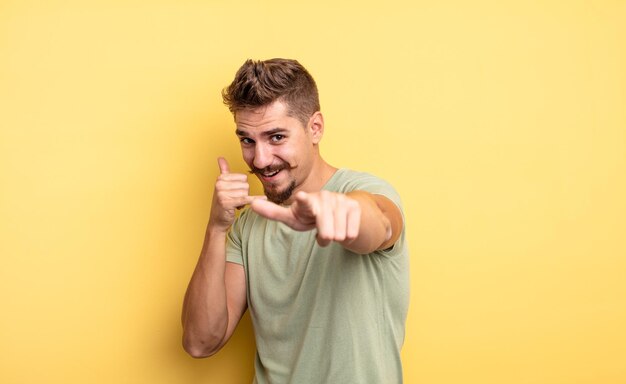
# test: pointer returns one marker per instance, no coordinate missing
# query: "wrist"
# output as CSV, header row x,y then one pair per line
x,y
214,229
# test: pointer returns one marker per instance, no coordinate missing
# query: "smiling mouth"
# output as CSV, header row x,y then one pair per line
x,y
268,177
270,174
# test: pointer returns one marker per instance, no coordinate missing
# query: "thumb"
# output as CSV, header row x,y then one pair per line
x,y
223,164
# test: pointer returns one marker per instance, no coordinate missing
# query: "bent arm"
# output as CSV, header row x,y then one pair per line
x,y
215,299
380,223
360,221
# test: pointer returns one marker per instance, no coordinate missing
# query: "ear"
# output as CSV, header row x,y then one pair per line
x,y
316,127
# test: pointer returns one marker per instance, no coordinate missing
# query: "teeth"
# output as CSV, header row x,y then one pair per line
x,y
270,174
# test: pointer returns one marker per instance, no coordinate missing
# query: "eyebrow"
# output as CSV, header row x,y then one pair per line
x,y
271,132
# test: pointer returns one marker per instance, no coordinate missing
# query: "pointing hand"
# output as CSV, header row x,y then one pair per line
x,y
336,216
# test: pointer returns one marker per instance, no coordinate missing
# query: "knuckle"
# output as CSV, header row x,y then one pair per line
x,y
324,235
223,202
322,240
222,185
221,195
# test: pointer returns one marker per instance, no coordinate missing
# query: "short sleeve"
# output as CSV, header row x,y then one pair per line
x,y
361,181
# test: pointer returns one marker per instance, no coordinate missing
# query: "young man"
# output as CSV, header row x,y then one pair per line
x,y
320,260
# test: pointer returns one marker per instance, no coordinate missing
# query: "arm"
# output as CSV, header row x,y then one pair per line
x,y
362,222
215,299
216,296
381,222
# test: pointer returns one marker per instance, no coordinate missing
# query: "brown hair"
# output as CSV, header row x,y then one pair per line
x,y
259,83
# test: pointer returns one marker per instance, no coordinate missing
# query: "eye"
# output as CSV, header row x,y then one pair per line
x,y
277,138
246,141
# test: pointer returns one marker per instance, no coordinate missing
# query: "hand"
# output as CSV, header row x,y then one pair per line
x,y
231,193
336,216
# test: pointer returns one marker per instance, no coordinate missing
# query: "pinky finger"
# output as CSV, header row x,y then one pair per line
x,y
249,199
240,202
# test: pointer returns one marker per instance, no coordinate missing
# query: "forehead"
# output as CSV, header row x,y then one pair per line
x,y
271,116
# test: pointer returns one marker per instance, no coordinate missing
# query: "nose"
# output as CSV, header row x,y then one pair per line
x,y
262,156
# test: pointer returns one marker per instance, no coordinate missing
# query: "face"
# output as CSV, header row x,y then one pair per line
x,y
279,149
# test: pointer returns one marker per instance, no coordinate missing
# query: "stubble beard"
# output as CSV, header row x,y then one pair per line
x,y
273,194
280,196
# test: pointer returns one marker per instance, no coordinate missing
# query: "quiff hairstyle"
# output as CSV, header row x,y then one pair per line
x,y
260,83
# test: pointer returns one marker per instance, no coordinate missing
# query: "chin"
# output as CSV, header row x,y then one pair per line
x,y
280,196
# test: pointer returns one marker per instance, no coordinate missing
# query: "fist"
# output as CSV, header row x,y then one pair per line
x,y
231,193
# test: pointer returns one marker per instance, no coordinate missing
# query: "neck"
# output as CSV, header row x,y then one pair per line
x,y
320,173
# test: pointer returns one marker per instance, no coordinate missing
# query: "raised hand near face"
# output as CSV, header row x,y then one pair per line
x,y
336,216
231,193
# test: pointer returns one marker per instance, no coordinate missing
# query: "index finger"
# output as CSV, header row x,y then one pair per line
x,y
223,164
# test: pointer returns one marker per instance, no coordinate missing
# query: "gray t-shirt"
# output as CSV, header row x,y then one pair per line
x,y
323,314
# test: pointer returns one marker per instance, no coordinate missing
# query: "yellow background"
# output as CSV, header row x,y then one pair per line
x,y
502,124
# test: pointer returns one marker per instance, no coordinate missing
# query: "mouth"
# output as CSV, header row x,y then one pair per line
x,y
269,176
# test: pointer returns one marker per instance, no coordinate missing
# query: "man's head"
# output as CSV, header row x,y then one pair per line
x,y
276,108
260,83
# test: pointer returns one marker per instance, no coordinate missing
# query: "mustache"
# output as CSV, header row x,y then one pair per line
x,y
272,168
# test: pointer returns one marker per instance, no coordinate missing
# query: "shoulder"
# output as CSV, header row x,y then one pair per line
x,y
347,180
